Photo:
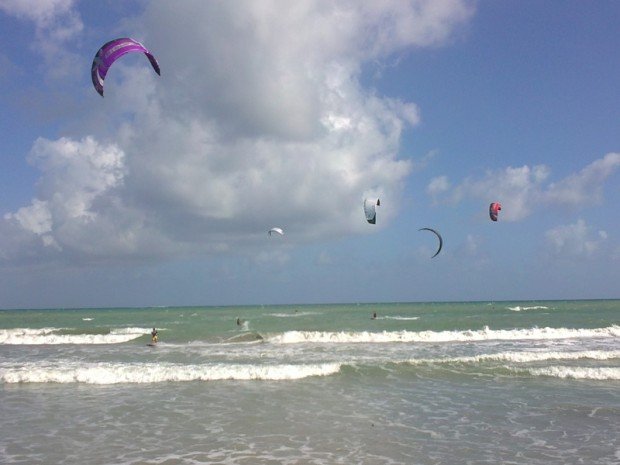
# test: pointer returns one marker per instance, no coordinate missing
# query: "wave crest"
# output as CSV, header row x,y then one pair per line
x,y
56,336
115,373
523,309
524,357
594,373
293,337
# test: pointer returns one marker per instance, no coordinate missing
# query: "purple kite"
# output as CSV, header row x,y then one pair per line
x,y
111,52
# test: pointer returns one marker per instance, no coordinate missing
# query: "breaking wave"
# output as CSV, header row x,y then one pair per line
x,y
396,317
55,336
115,373
594,373
522,309
516,363
293,337
525,357
293,315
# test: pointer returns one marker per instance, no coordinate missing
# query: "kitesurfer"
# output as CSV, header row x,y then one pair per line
x,y
154,336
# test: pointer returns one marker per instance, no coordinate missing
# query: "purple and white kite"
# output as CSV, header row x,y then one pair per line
x,y
111,52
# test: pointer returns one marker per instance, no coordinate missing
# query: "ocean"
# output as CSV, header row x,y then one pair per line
x,y
422,383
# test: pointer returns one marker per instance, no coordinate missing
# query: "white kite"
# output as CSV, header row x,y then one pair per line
x,y
369,209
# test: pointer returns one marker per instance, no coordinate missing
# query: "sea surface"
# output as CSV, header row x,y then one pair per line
x,y
422,383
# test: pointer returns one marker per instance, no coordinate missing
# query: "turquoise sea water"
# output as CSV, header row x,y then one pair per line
x,y
423,383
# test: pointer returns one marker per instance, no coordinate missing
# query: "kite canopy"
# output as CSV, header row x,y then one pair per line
x,y
494,209
438,237
111,52
276,230
369,209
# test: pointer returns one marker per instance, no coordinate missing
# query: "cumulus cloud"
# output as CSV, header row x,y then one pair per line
x,y
43,12
586,186
575,240
259,118
80,180
76,173
523,189
56,23
438,186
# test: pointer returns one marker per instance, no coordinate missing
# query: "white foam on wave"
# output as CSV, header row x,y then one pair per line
x,y
293,337
525,357
594,373
114,373
404,318
534,307
55,336
293,315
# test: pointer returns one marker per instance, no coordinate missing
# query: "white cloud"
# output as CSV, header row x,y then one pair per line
x,y
35,218
574,240
390,25
586,186
437,186
42,11
77,190
56,23
77,172
523,189
265,69
259,118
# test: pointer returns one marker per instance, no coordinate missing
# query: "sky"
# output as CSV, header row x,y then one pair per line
x,y
269,114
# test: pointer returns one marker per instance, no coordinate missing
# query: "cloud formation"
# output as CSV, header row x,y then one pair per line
x,y
259,118
56,23
524,189
80,181
575,240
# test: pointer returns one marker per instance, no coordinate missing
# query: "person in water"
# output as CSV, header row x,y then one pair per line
x,y
374,316
154,336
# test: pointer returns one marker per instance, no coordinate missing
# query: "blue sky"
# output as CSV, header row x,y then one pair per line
x,y
271,115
